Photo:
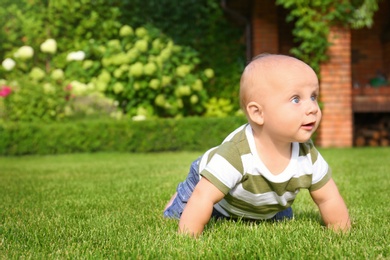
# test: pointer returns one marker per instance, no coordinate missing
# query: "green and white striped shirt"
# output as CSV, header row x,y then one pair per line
x,y
251,190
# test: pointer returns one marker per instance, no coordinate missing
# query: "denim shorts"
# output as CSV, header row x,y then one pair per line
x,y
185,189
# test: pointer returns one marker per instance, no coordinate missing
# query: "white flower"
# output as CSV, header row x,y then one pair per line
x,y
49,46
91,87
138,118
37,73
209,73
57,74
24,53
8,64
48,88
126,30
78,88
77,55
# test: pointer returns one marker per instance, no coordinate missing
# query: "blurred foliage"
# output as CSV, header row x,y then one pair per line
x,y
71,22
32,101
146,73
115,136
198,32
200,25
140,70
313,20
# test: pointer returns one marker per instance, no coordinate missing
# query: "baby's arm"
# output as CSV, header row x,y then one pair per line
x,y
332,207
197,212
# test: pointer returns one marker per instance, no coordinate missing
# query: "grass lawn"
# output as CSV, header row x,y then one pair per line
x,y
109,205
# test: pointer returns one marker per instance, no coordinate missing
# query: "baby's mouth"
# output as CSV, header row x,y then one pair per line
x,y
309,126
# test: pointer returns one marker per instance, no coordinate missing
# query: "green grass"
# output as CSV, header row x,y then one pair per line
x,y
110,206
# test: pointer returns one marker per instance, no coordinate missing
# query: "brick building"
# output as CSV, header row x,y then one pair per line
x,y
356,58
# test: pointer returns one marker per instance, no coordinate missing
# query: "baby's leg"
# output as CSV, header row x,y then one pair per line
x,y
170,201
286,214
184,190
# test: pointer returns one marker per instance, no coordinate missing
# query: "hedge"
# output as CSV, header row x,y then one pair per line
x,y
186,134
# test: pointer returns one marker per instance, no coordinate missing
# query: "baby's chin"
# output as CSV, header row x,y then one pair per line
x,y
303,139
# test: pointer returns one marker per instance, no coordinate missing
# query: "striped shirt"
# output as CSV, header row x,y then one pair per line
x,y
251,190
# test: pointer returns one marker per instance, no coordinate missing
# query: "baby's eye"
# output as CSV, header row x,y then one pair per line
x,y
295,100
314,97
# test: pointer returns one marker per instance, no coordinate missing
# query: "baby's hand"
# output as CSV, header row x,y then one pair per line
x,y
333,210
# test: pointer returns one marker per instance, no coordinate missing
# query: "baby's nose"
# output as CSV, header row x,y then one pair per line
x,y
312,107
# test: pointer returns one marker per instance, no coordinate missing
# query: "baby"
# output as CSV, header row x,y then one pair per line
x,y
259,168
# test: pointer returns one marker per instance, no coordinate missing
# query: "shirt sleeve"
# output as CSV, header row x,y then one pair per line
x,y
322,173
224,167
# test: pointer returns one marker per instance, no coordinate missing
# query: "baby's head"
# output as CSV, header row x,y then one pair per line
x,y
273,84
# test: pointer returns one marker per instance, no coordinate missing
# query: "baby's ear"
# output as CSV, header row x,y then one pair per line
x,y
255,112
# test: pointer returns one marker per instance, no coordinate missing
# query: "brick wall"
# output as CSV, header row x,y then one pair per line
x,y
370,48
264,27
336,127
355,57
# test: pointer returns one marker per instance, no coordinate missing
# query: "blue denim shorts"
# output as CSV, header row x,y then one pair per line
x,y
184,191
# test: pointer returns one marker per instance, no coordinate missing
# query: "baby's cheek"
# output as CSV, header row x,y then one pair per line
x,y
319,114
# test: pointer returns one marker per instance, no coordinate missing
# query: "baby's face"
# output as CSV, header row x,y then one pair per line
x,y
290,107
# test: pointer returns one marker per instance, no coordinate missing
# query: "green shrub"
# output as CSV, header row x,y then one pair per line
x,y
142,70
192,133
72,23
204,26
146,73
85,24
34,102
38,90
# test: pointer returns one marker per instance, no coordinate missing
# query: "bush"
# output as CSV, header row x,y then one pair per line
x,y
198,24
204,26
36,89
146,73
191,134
72,23
141,69
31,101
